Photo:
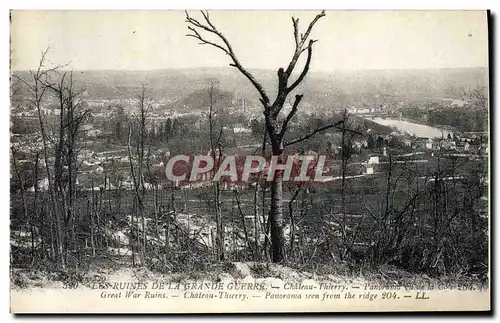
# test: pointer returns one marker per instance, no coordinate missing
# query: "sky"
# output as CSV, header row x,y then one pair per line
x,y
348,40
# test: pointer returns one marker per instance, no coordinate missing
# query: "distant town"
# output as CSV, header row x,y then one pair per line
x,y
385,126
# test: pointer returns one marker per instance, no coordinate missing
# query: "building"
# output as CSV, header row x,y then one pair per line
x,y
366,169
241,129
94,133
373,160
90,131
448,145
429,144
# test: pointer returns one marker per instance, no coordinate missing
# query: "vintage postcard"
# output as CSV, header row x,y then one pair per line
x,y
171,161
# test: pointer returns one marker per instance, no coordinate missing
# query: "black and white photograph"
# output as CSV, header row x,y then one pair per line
x,y
249,161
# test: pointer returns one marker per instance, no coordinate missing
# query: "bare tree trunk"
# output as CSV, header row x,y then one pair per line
x,y
35,207
218,223
22,182
214,144
59,242
245,231
132,172
92,212
138,175
277,234
167,232
70,120
233,246
256,221
388,190
142,133
292,221
265,215
345,154
174,211
156,208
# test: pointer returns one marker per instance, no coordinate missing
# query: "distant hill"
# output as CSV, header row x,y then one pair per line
x,y
319,88
200,99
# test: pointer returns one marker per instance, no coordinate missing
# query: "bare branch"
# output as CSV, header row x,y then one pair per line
x,y
289,117
56,88
204,41
303,38
210,27
317,130
20,79
306,67
207,18
311,25
320,129
295,22
371,213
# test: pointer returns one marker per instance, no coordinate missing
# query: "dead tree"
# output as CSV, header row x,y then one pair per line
x,y
345,155
22,184
71,117
137,171
276,127
216,156
37,92
143,110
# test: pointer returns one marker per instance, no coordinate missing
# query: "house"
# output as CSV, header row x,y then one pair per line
x,y
241,129
366,169
43,185
86,127
458,103
164,154
484,149
94,133
429,144
160,164
49,112
91,162
90,131
373,160
473,149
448,145
360,144
352,109
335,149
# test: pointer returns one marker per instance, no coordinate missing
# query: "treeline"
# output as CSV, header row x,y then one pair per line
x,y
160,130
464,119
182,134
472,116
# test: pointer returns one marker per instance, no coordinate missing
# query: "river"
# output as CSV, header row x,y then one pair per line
x,y
414,129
